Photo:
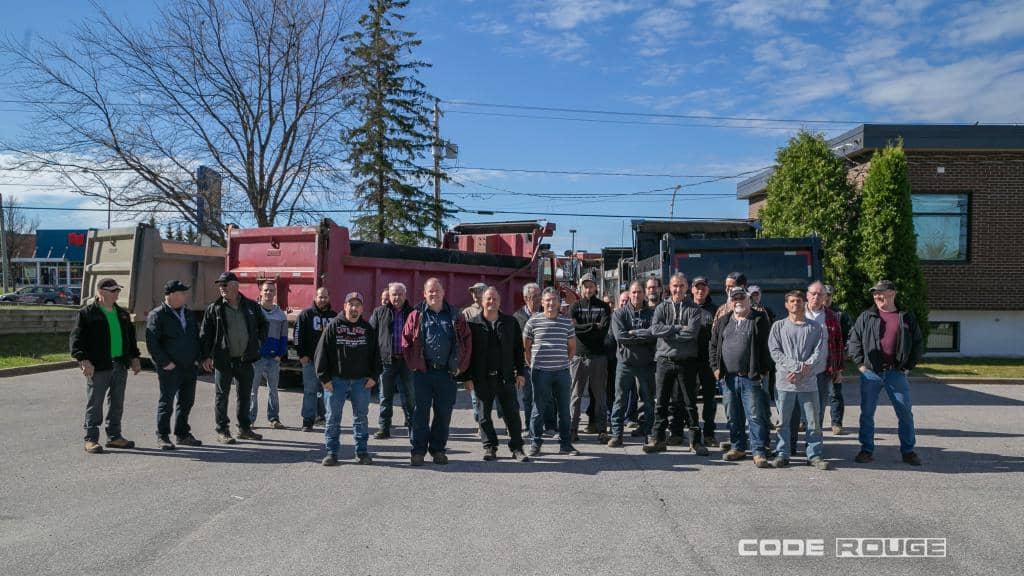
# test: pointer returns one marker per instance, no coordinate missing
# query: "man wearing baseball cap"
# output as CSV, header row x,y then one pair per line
x,y
591,318
172,337
886,344
103,342
347,364
230,335
476,291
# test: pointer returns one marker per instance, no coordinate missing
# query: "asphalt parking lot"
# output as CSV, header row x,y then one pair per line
x,y
269,507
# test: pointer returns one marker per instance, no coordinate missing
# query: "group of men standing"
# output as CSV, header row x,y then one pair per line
x,y
668,355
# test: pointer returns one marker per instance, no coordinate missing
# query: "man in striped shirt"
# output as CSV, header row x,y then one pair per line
x,y
549,341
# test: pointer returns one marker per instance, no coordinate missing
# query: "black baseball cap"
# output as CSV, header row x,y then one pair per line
x,y
699,280
108,284
883,285
737,291
739,277
175,286
226,277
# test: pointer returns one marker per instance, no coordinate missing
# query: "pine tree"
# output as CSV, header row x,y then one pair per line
x,y
809,194
152,220
391,186
191,236
179,235
168,232
887,243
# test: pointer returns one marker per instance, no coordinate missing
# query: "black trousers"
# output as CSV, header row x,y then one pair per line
x,y
708,389
242,373
680,378
504,391
180,382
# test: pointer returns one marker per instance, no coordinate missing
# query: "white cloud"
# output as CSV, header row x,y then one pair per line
x,y
568,14
889,14
663,74
484,24
657,29
761,15
981,24
986,89
566,46
788,53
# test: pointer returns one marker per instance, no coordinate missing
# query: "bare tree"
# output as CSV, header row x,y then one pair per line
x,y
252,88
19,226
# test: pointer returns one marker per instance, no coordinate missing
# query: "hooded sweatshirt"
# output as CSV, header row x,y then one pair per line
x,y
634,350
308,328
275,345
677,326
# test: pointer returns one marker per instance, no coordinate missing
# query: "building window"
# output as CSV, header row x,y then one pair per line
x,y
943,337
940,221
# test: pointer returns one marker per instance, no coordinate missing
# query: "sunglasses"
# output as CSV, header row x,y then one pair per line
x,y
113,290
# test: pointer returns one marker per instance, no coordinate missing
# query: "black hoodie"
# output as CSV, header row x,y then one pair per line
x,y
308,328
348,350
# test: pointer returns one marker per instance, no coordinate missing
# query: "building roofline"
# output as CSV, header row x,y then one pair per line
x,y
864,139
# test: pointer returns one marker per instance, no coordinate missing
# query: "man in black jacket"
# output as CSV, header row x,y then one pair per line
x,y
495,371
308,328
347,364
103,342
589,367
388,321
739,355
700,294
233,327
886,344
172,337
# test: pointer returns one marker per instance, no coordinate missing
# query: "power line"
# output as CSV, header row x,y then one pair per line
x,y
649,114
591,172
628,122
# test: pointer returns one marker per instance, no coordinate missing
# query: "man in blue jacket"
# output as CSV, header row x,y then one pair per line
x,y
172,337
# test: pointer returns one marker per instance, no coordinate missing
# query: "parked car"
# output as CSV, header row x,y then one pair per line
x,y
41,295
13,296
74,294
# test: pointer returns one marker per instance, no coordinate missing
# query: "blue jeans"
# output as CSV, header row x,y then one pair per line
x,y
432,389
357,392
808,402
271,369
896,386
311,390
746,400
525,397
626,380
824,389
396,377
551,388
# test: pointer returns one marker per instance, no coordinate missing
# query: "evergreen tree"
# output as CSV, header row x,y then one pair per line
x,y
168,232
179,235
191,236
152,220
809,194
887,243
391,187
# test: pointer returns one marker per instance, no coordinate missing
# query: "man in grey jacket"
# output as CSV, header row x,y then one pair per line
x,y
800,351
634,342
676,324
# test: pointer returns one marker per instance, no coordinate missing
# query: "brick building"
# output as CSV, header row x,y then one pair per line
x,y
967,186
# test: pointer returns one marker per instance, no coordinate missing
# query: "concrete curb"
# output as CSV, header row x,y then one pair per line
x,y
962,380
37,368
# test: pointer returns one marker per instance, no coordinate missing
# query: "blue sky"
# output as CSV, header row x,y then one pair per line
x,y
913,61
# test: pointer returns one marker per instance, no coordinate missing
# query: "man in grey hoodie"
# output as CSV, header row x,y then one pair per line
x,y
273,350
800,351
635,344
676,324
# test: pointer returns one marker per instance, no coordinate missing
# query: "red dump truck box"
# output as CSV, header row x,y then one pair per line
x,y
302,258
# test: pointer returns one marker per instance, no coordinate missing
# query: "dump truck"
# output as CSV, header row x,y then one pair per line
x,y
141,261
301,259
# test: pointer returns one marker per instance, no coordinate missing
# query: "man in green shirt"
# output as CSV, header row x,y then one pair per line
x,y
103,342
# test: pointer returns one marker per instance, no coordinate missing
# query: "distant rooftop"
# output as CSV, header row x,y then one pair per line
x,y
866,138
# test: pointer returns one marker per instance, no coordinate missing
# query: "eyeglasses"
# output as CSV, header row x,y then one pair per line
x,y
814,293
113,290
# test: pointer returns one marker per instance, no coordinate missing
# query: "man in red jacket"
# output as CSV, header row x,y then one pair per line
x,y
436,344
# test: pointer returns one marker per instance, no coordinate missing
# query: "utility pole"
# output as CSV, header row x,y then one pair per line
x,y
672,207
438,151
3,245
